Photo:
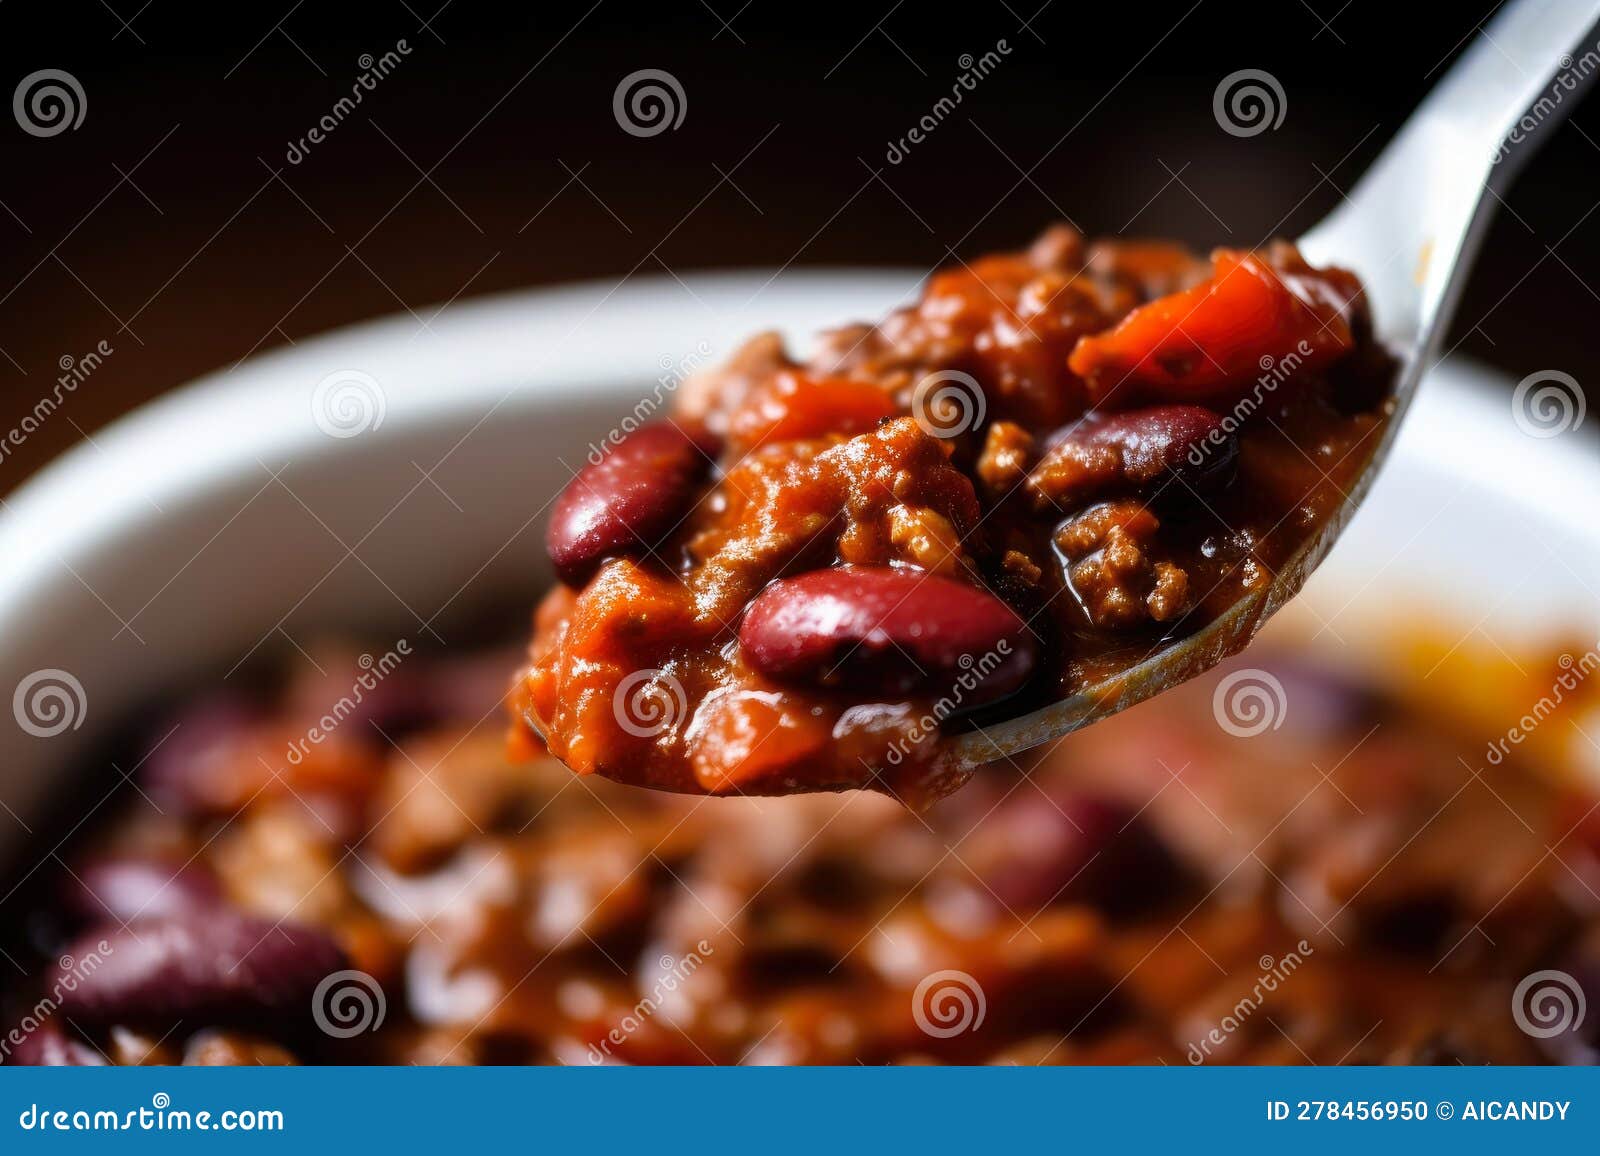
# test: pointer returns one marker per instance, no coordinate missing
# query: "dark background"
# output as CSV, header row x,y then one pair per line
x,y
171,225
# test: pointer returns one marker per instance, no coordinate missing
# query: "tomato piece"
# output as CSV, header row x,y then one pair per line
x,y
750,737
983,284
1220,336
795,406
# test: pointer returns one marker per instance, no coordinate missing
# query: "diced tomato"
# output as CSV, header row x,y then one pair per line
x,y
1217,338
794,406
752,737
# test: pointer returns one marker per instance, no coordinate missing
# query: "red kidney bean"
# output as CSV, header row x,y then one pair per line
x,y
47,1046
402,703
1145,447
1075,848
417,695
128,887
1327,702
213,967
466,689
890,632
174,768
624,503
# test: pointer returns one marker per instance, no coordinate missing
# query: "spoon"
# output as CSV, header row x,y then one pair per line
x,y
1411,229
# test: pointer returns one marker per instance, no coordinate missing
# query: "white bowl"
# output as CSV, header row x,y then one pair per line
x,y
225,518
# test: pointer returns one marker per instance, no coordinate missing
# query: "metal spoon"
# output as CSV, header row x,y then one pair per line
x,y
1411,228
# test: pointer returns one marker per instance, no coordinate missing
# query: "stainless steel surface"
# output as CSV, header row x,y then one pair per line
x,y
1411,228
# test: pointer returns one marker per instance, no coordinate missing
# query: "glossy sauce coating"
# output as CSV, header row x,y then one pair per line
x,y
1080,450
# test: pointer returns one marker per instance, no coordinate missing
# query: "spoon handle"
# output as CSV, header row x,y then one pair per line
x,y
1412,225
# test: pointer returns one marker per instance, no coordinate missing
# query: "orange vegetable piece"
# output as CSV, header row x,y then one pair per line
x,y
795,406
1217,338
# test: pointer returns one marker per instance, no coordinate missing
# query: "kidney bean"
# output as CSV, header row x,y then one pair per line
x,y
416,695
625,502
1327,701
48,1046
186,748
1073,848
212,967
467,688
402,703
891,632
1136,450
128,887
